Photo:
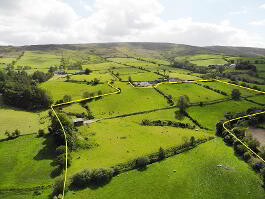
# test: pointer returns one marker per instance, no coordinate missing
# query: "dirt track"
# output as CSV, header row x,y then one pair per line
x,y
259,134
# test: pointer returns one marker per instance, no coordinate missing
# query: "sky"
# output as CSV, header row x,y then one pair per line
x,y
191,22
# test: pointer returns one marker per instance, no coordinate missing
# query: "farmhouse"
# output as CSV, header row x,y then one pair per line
x,y
78,121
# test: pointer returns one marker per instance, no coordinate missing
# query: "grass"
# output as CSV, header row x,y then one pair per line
x,y
59,88
102,66
130,100
228,88
209,62
259,99
7,60
103,77
148,76
182,76
197,177
247,76
27,122
26,162
260,67
209,115
38,60
124,139
158,61
195,92
133,62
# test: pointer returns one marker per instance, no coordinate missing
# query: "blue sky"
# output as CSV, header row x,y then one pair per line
x,y
194,22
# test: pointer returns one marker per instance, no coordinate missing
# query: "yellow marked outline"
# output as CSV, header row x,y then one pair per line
x,y
154,86
71,102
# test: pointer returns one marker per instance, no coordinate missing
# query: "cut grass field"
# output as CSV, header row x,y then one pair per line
x,y
209,115
147,76
195,92
182,76
26,162
133,62
228,88
130,100
260,99
124,139
209,62
27,122
102,66
197,177
59,88
38,60
102,76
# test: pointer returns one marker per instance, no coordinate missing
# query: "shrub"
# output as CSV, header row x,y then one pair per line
x,y
161,153
41,133
58,187
93,177
240,149
81,179
192,141
142,162
246,156
236,94
257,164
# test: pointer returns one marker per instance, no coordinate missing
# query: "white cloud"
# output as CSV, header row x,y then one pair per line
x,y
262,6
258,23
54,21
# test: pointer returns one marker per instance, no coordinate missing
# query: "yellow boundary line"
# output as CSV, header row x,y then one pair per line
x,y
66,145
155,86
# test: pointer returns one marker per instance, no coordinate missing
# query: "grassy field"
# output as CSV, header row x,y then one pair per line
x,y
148,76
195,92
197,177
102,66
26,122
247,76
228,88
158,61
102,76
208,62
209,115
39,60
260,67
124,139
7,60
133,62
59,88
182,76
259,99
130,100
26,162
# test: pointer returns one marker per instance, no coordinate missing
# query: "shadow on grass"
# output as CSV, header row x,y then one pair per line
x,y
48,151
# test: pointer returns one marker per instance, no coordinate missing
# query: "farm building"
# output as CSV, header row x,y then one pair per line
x,y
78,121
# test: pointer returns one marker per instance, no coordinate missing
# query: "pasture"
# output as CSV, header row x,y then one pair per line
x,y
59,88
123,139
209,115
130,100
196,176
38,60
26,161
195,92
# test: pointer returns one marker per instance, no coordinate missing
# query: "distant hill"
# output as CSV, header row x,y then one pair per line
x,y
124,49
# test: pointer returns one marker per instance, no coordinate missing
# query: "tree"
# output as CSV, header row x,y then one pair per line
x,y
221,69
67,98
142,162
161,154
192,141
130,79
183,103
236,94
88,71
68,78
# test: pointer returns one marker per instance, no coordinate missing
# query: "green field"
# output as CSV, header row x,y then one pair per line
x,y
7,60
124,139
259,99
130,100
26,162
228,88
209,62
102,76
148,76
260,67
209,115
195,92
39,60
59,88
27,122
197,177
